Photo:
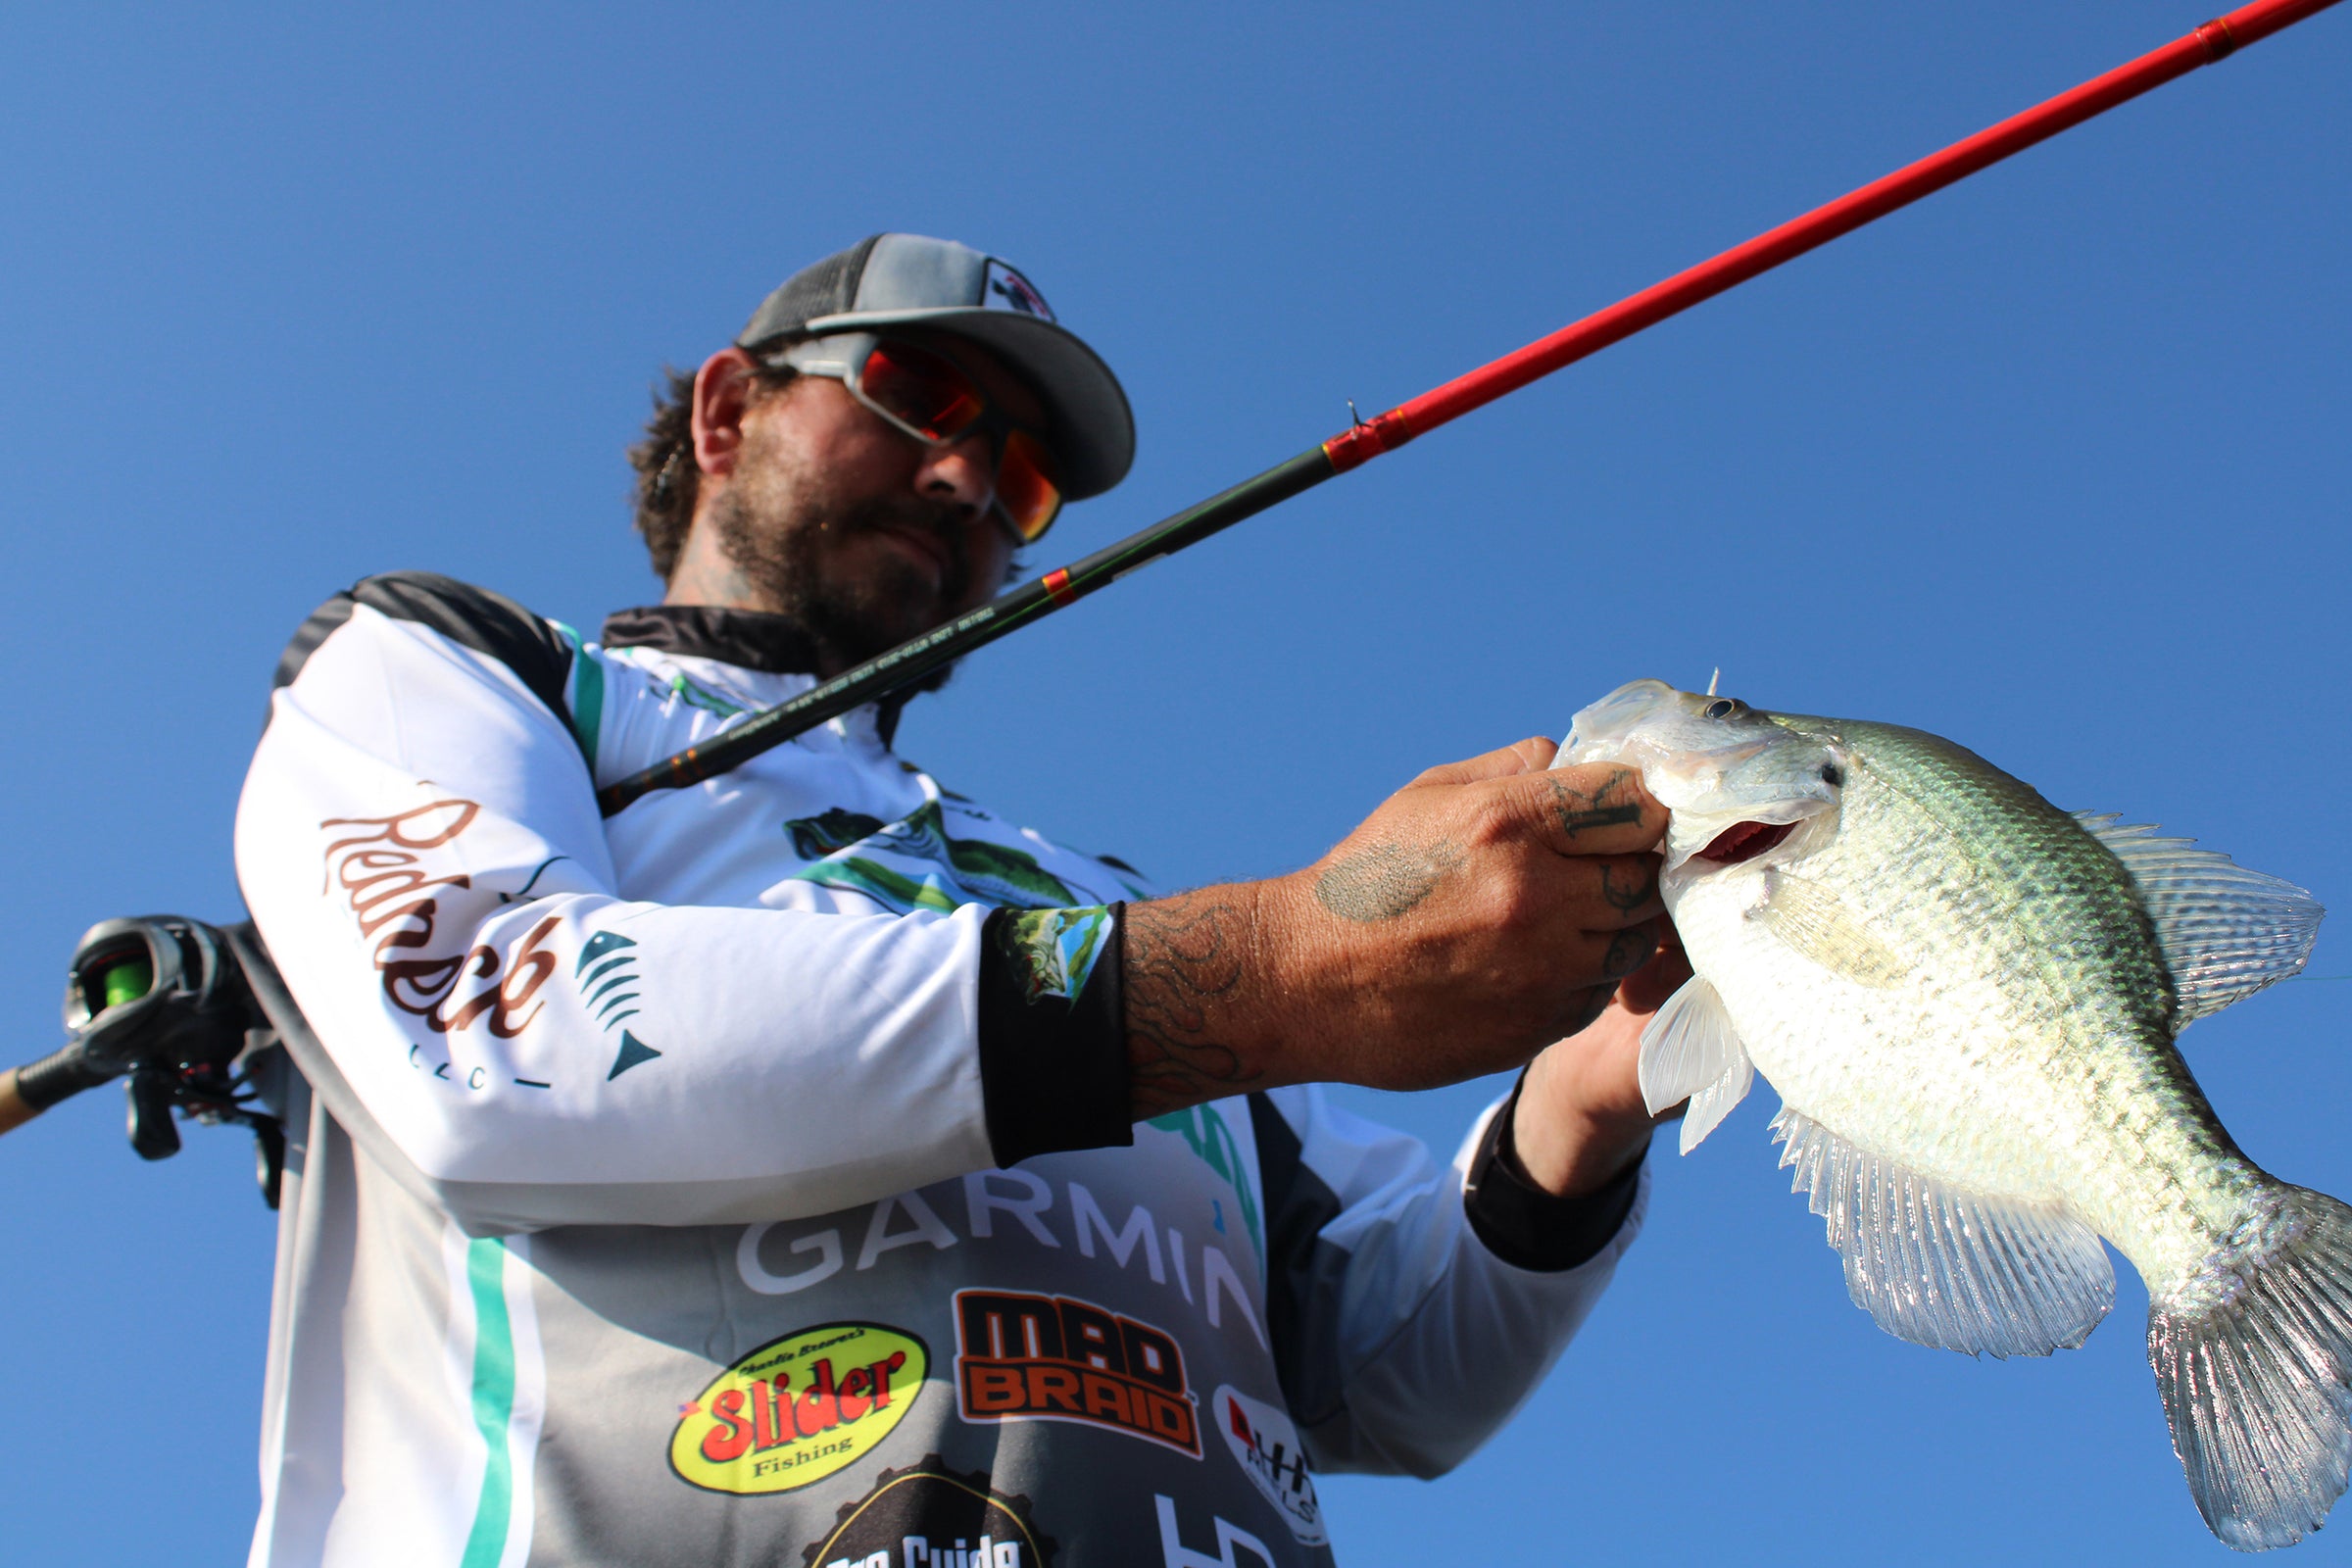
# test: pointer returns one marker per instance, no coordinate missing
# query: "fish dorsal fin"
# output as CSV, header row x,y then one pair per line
x,y
1689,1051
1811,919
1941,1265
2226,931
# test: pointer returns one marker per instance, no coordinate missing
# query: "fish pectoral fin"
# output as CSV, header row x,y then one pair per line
x,y
2226,931
1944,1265
1689,1051
1814,920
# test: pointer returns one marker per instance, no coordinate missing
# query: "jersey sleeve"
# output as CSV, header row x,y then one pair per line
x,y
1402,1337
420,844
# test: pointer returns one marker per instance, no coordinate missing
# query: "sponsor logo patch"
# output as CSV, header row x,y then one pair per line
x,y
1058,1359
1008,290
915,863
1057,950
1234,1546
928,1516
1265,1445
799,1408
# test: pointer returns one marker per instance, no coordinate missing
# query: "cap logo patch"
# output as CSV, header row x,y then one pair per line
x,y
1008,290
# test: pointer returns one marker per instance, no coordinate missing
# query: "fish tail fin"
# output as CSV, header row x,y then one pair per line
x,y
2253,1358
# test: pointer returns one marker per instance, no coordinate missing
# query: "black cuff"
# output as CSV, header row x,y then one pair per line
x,y
1528,1227
1053,1031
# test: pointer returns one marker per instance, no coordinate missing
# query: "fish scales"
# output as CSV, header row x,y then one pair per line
x,y
2062,990
1967,1000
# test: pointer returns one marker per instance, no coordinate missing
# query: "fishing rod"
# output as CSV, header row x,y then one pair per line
x,y
1367,439
160,1001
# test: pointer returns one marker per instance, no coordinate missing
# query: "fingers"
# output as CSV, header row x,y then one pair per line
x,y
1585,1010
1591,809
1605,958
1582,980
1530,756
1645,990
1587,897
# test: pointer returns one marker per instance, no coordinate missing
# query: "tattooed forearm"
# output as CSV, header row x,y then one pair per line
x,y
1381,881
1185,957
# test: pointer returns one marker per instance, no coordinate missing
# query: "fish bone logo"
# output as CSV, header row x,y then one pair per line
x,y
799,1408
1265,1445
1056,1358
607,975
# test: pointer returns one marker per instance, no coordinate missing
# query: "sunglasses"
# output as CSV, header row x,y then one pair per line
x,y
936,401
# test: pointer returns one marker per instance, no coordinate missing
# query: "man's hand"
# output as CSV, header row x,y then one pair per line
x,y
1485,909
1579,1118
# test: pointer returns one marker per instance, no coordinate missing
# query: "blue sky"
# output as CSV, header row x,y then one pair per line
x,y
2054,464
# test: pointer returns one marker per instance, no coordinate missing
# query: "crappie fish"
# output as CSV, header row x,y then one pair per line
x,y
1968,999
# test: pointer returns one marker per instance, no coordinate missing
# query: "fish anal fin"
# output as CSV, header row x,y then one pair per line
x,y
1814,922
1689,1051
2226,931
1941,1265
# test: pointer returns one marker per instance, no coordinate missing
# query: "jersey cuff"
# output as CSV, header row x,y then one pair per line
x,y
1528,1227
1052,1043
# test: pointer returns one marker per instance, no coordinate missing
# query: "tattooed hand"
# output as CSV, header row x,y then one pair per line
x,y
1483,912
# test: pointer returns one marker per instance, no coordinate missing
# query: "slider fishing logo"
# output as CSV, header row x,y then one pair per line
x,y
1056,1358
799,1408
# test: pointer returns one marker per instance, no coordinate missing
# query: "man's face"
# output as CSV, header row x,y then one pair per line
x,y
864,534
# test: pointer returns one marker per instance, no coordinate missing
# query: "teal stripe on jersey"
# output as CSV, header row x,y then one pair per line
x,y
493,1402
587,694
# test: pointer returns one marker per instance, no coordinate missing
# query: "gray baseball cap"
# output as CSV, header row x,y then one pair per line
x,y
911,280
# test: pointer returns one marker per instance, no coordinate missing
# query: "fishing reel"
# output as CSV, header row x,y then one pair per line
x,y
160,1001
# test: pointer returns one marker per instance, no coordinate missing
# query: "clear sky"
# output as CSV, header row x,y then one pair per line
x,y
2055,465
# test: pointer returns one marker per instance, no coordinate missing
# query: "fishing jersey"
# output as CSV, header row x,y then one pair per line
x,y
748,1179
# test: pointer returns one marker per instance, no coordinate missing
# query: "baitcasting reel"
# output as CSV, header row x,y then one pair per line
x,y
161,1002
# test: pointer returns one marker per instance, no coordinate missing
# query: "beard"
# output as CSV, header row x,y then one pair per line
x,y
780,534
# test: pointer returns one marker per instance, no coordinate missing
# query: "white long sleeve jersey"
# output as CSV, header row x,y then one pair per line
x,y
747,1179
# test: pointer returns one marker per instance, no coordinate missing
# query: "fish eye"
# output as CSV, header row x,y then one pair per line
x,y
1831,774
1726,707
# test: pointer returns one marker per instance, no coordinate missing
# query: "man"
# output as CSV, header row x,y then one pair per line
x,y
809,1167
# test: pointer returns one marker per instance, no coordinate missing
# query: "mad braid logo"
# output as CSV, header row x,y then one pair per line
x,y
1056,1358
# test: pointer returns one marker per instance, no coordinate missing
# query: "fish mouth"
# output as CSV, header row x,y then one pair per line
x,y
1744,841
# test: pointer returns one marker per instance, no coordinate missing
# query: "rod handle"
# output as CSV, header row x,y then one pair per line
x,y
14,1111
27,1091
